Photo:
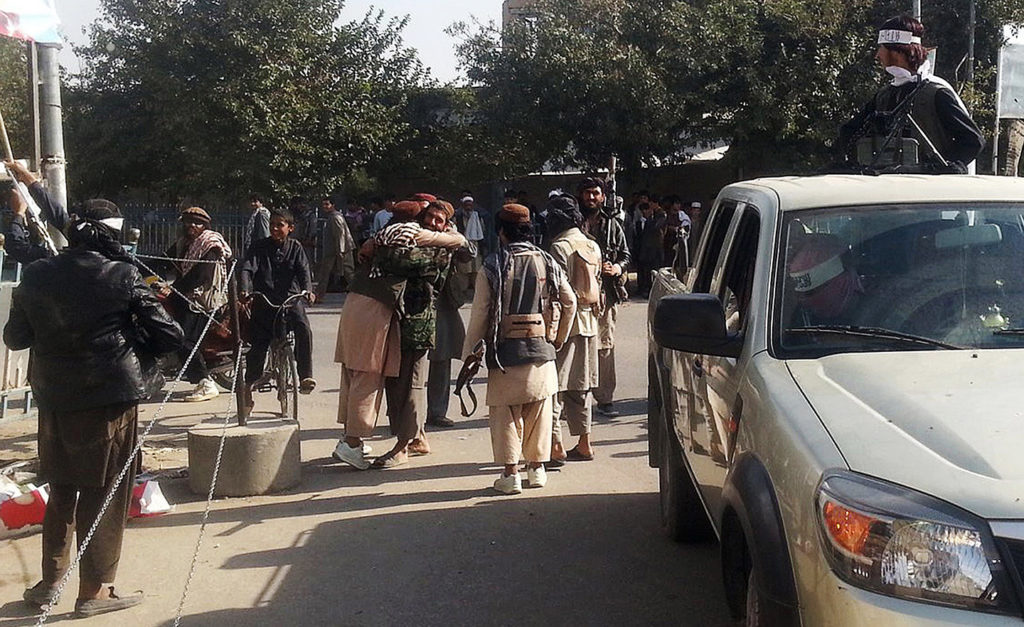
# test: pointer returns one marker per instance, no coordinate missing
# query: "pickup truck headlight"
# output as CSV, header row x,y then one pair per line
x,y
888,539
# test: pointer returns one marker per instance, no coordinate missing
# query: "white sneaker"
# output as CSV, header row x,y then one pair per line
x,y
352,456
512,484
536,477
205,390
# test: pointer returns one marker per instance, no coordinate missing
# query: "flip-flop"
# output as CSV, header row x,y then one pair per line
x,y
390,460
94,607
574,455
554,463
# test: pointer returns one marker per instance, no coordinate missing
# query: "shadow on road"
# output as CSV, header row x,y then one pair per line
x,y
591,560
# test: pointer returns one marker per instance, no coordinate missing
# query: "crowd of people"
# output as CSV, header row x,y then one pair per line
x,y
545,286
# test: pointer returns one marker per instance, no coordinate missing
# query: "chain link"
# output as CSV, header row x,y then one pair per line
x,y
192,305
84,542
209,499
176,259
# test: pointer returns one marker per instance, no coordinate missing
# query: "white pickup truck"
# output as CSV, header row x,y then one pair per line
x,y
834,395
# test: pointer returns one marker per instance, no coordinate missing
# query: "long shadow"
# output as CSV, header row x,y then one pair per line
x,y
576,560
325,475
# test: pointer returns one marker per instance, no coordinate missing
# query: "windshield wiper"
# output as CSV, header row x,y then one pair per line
x,y
1008,332
875,332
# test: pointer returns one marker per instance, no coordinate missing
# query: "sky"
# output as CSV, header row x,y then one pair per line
x,y
425,32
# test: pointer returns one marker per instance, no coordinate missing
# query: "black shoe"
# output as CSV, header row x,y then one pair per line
x,y
441,421
608,410
40,595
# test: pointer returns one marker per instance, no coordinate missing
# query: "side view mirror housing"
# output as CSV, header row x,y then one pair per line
x,y
694,323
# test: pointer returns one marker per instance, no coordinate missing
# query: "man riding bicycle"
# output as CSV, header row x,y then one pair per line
x,y
277,268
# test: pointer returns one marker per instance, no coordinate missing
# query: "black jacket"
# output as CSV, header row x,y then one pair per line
x,y
610,235
87,319
277,271
952,130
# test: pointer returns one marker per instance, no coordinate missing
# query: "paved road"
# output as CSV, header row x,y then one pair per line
x,y
427,543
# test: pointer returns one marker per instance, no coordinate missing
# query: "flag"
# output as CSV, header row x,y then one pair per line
x,y
31,20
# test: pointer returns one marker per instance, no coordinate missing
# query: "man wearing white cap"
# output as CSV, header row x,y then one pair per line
x,y
471,224
925,106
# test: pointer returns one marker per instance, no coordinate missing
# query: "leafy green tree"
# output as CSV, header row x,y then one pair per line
x,y
643,79
14,97
192,97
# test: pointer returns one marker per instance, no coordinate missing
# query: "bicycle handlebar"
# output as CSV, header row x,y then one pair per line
x,y
288,301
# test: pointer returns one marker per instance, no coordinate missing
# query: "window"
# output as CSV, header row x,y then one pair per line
x,y
899,278
738,279
719,229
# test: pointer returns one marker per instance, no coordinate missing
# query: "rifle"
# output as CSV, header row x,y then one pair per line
x,y
33,215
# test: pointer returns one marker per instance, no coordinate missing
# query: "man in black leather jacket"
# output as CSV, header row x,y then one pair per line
x,y
87,316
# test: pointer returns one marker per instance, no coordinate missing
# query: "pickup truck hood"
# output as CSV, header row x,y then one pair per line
x,y
947,423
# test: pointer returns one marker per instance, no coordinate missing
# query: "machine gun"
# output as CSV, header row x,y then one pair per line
x,y
880,144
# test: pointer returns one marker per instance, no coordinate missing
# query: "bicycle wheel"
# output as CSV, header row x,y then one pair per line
x,y
287,381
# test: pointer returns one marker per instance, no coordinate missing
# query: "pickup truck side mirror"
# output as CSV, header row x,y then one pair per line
x,y
694,323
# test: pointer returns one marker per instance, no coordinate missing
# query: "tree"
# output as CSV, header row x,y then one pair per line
x,y
193,97
644,79
14,97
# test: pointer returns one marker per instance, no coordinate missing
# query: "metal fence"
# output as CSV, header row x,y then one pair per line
x,y
159,226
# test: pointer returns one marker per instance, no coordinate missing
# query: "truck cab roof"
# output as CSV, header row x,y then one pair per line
x,y
794,193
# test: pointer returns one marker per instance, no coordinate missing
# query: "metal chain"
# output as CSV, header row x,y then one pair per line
x,y
192,305
178,259
84,543
209,498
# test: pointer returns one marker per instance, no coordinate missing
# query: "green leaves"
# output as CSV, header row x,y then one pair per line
x,y
14,102
646,79
227,97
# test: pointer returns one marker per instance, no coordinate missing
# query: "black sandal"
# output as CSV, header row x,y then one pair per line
x,y
574,455
389,460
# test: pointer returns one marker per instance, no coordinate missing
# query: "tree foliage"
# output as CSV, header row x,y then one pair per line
x,y
226,97
14,97
644,79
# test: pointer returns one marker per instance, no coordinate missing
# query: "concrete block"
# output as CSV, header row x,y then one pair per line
x,y
259,458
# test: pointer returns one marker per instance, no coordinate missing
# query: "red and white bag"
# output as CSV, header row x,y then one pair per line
x,y
21,512
148,500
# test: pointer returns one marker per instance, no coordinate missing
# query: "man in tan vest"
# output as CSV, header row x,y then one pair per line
x,y
513,304
577,361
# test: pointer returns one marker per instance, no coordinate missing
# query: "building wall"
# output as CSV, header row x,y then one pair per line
x,y
511,9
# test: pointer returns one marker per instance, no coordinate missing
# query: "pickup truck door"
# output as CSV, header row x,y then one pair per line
x,y
686,401
716,379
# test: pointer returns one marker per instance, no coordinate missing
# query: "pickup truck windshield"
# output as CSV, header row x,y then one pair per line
x,y
913,277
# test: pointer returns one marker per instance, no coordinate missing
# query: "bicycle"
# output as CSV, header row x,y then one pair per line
x,y
281,372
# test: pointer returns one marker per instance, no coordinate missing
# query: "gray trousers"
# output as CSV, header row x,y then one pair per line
x,y
439,388
407,396
574,406
605,391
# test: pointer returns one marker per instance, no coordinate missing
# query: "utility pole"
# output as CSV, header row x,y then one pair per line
x,y
971,23
917,10
51,122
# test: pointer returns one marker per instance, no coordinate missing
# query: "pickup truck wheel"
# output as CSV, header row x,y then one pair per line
x,y
682,513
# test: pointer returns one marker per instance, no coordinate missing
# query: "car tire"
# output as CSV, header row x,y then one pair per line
x,y
683,518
